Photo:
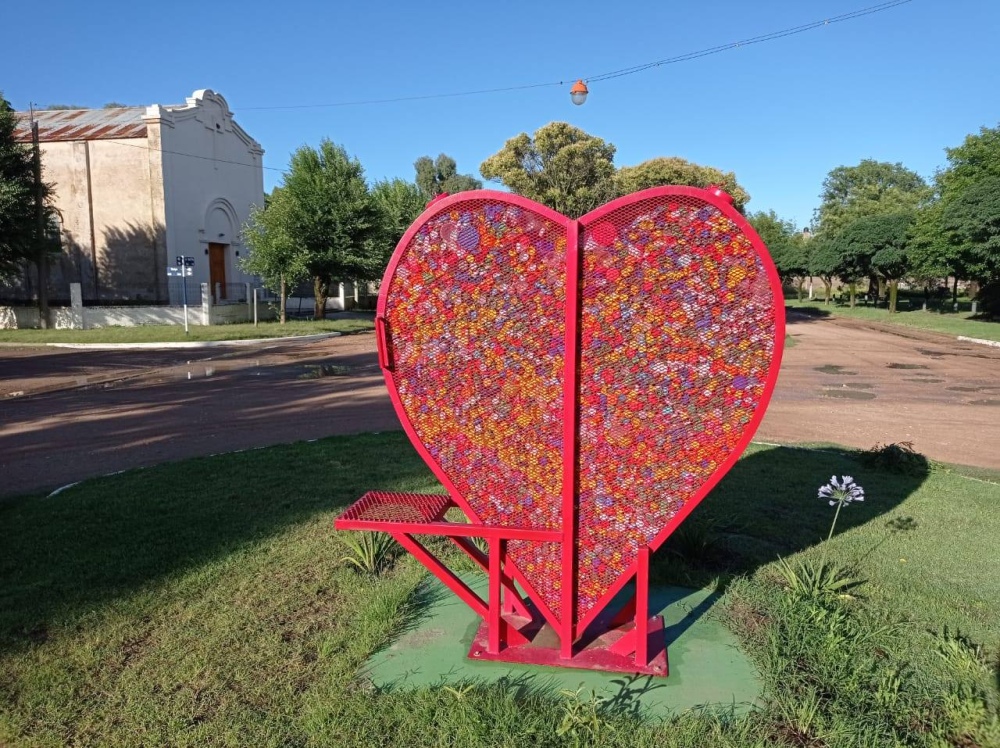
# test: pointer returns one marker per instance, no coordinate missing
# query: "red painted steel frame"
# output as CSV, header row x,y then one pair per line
x,y
499,636
567,633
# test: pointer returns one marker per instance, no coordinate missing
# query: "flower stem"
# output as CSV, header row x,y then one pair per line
x,y
835,515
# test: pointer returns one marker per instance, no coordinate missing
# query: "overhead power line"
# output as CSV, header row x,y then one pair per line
x,y
852,15
760,39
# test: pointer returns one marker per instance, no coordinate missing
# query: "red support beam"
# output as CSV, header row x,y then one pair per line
x,y
568,631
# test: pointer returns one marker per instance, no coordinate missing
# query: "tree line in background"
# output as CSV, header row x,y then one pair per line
x,y
324,223
881,222
877,222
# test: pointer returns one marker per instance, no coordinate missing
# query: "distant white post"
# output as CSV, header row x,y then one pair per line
x,y
183,269
255,306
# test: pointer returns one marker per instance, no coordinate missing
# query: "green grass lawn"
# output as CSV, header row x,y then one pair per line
x,y
948,322
207,602
175,333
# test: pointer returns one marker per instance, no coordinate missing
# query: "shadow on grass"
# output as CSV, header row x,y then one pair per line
x,y
107,538
798,314
767,506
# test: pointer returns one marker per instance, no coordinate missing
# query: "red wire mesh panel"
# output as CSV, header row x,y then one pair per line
x,y
475,311
389,506
677,334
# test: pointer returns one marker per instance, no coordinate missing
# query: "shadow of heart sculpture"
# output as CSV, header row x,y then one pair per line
x,y
578,386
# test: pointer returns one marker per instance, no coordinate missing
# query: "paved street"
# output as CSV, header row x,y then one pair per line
x,y
842,382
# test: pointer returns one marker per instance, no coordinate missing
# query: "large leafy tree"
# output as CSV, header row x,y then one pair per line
x,y
26,216
874,244
18,221
275,255
823,262
972,220
674,170
400,202
333,218
560,166
931,254
786,246
961,221
440,175
870,188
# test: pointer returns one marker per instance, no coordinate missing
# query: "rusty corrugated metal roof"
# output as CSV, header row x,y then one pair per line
x,y
83,124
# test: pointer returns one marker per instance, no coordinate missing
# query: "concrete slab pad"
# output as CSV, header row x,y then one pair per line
x,y
706,666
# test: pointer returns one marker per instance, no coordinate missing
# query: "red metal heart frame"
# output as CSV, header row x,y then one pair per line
x,y
596,376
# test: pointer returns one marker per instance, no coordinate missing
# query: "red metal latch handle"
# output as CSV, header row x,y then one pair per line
x,y
382,343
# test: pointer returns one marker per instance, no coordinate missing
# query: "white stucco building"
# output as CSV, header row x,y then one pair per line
x,y
136,187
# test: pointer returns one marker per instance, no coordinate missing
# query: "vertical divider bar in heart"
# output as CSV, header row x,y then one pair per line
x,y
596,376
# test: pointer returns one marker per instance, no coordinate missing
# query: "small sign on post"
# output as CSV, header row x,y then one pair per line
x,y
184,269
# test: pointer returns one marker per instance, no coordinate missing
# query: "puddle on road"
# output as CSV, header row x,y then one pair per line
x,y
907,366
930,353
834,369
968,389
847,394
325,370
988,403
923,380
858,386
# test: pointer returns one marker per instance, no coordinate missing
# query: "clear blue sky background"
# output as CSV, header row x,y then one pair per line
x,y
895,86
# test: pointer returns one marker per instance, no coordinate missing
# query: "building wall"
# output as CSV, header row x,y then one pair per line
x,y
128,225
212,177
112,230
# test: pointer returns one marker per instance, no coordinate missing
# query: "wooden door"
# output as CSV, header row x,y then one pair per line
x,y
217,268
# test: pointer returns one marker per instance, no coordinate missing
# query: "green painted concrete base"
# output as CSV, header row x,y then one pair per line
x,y
706,667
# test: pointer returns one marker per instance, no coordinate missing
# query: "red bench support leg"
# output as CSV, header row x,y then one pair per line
x,y
498,553
642,608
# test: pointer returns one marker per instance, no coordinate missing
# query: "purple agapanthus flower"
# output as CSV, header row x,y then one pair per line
x,y
843,491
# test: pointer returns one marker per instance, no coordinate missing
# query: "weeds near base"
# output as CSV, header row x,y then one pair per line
x,y
370,552
823,580
898,457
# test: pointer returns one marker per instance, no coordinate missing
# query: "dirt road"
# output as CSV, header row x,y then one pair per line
x,y
841,382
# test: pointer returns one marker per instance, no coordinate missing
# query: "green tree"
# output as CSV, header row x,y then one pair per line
x,y
785,246
972,220
560,166
440,175
823,261
870,188
890,236
333,218
931,255
27,218
884,237
17,196
400,202
274,255
674,170
961,195
978,158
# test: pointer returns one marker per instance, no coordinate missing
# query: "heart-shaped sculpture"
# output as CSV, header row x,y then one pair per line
x,y
606,371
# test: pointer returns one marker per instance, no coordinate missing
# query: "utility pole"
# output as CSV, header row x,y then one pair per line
x,y
42,254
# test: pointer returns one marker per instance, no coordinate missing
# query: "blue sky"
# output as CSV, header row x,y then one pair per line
x,y
900,85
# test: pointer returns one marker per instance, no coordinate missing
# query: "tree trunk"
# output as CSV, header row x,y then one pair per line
x,y
799,283
854,292
321,289
954,291
893,289
827,289
284,300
